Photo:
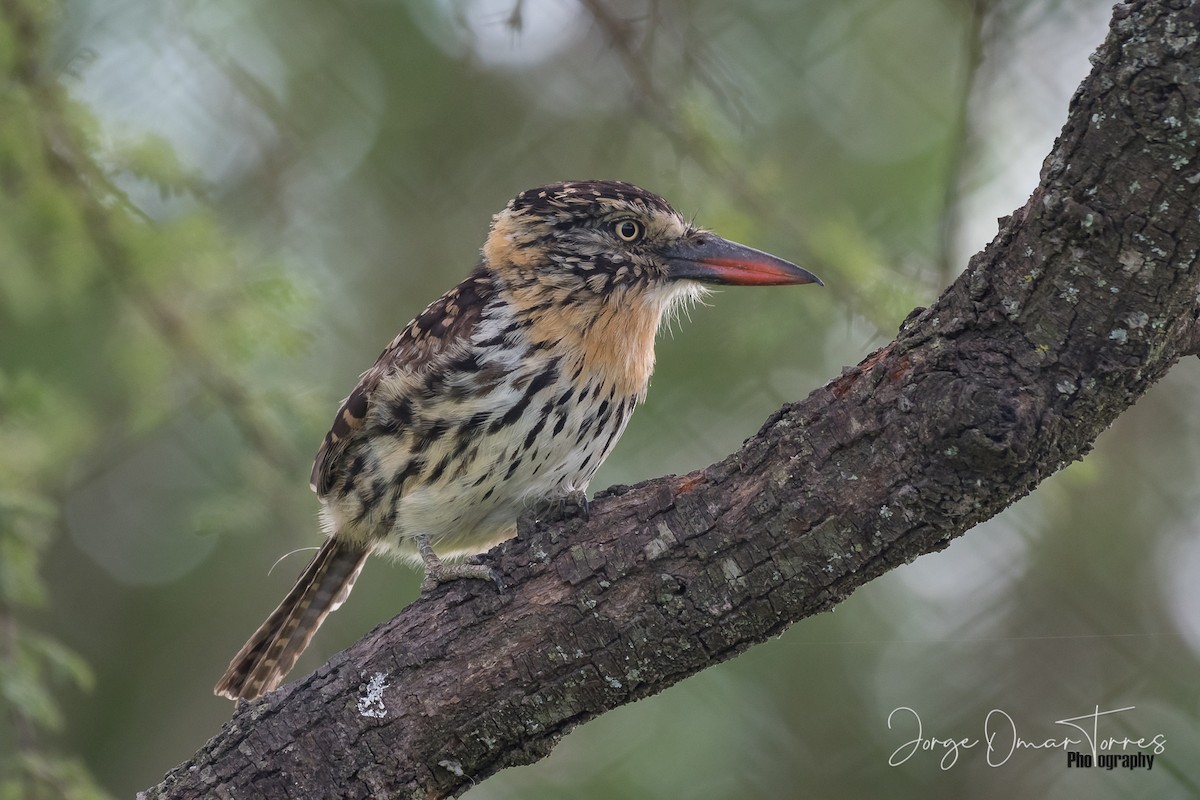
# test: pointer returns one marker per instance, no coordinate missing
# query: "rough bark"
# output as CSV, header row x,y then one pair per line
x,y
1087,296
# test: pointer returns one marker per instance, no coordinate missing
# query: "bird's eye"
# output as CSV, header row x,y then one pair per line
x,y
628,230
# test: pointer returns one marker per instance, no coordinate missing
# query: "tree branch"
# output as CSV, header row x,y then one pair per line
x,y
1085,298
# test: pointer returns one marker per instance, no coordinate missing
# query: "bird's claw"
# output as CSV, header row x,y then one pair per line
x,y
564,506
439,572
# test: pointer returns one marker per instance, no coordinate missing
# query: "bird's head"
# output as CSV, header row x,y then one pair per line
x,y
593,267
590,242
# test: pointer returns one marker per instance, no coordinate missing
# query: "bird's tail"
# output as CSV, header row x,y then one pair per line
x,y
274,648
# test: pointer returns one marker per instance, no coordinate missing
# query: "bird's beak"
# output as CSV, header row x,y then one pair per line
x,y
711,259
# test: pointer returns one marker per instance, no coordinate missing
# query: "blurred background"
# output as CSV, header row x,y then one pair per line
x,y
213,215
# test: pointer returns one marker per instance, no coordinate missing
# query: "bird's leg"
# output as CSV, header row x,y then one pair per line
x,y
573,502
437,571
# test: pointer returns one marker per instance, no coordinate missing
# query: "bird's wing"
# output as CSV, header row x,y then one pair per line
x,y
447,321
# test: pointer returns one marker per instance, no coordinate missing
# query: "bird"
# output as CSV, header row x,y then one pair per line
x,y
509,390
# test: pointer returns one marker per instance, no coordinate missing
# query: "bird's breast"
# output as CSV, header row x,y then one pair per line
x,y
461,450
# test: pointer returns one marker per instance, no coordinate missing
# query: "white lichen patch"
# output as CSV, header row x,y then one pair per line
x,y
1066,387
1136,319
371,703
1119,335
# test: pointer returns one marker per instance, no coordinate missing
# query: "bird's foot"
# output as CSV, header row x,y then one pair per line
x,y
438,571
444,573
562,507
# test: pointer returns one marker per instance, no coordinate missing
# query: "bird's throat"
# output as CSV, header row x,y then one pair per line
x,y
610,337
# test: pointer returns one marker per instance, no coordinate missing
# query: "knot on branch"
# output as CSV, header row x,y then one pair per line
x,y
990,427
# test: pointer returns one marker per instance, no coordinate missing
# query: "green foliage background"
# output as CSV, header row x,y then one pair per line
x,y
214,215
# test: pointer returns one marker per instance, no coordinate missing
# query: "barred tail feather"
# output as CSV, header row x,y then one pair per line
x,y
275,647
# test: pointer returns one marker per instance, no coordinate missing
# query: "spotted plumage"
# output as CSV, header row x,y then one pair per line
x,y
511,388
